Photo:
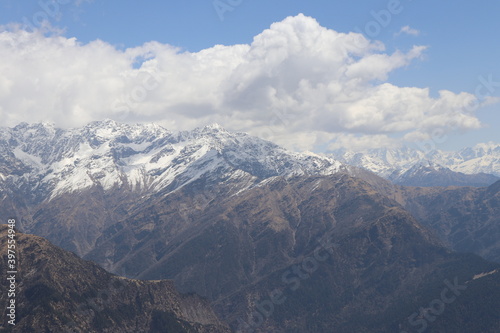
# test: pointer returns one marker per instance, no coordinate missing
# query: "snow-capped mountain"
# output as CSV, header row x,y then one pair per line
x,y
46,161
384,162
477,166
41,161
482,158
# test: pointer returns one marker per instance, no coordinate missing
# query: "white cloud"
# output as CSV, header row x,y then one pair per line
x,y
407,30
358,143
297,83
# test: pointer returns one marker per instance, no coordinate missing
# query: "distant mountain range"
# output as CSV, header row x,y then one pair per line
x,y
476,166
276,241
43,161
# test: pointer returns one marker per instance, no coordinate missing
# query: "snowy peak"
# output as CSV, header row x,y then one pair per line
x,y
383,162
109,130
214,127
52,161
47,144
480,150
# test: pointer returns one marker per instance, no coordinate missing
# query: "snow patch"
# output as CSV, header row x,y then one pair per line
x,y
478,276
28,159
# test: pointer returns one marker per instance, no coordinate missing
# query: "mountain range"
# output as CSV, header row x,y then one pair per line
x,y
47,161
122,165
276,241
475,166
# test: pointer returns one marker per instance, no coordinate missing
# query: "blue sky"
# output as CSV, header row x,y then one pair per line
x,y
460,56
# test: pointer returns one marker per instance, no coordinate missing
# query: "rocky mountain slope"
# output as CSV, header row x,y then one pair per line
x,y
59,292
468,219
476,166
302,254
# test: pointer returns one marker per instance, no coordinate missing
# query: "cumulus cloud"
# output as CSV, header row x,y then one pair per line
x,y
298,84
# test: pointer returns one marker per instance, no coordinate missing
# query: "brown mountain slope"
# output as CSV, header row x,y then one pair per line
x,y
330,253
466,218
59,292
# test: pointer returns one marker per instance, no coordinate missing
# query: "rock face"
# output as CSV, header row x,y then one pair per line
x,y
59,292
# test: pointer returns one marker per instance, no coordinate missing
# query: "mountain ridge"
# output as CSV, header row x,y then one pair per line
x,y
59,292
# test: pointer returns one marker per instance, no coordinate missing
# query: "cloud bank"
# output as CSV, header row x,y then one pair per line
x,y
298,84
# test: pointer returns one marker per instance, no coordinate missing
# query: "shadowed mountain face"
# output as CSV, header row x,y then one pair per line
x,y
305,254
59,292
468,219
